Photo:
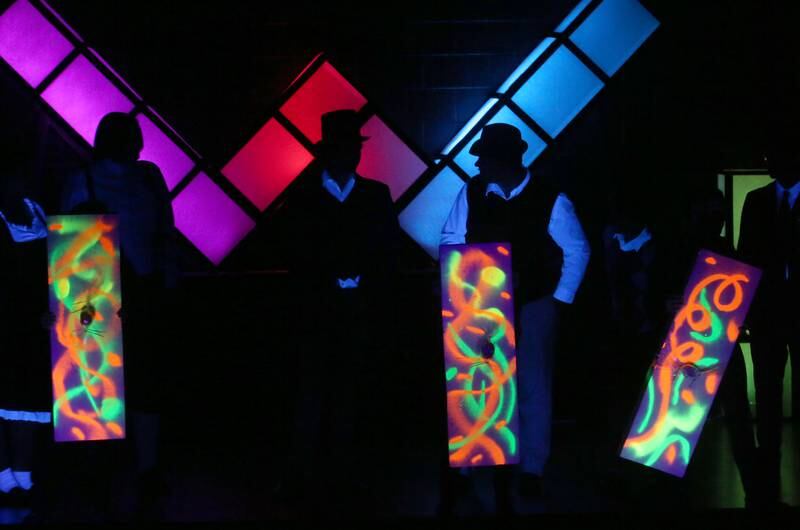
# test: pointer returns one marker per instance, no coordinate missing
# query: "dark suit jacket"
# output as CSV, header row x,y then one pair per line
x,y
328,240
758,244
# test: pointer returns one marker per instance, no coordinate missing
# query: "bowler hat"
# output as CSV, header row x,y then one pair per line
x,y
499,139
341,126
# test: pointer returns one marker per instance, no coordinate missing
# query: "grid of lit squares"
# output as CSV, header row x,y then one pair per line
x,y
541,97
81,88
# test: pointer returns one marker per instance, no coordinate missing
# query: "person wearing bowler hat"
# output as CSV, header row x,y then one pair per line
x,y
342,239
505,202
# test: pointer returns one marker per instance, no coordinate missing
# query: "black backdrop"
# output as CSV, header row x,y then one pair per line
x,y
690,102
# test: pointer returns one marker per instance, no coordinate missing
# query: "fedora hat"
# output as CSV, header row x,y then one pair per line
x,y
499,139
341,126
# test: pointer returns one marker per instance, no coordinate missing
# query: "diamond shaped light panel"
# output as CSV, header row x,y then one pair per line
x,y
541,96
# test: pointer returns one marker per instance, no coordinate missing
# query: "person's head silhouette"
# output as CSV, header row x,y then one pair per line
x,y
783,157
118,138
340,146
499,150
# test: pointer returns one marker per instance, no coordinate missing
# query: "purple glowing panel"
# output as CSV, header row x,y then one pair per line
x,y
386,158
163,152
209,218
29,43
82,96
686,374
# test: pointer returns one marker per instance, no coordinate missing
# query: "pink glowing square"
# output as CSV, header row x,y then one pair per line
x,y
268,163
29,43
82,96
163,152
209,218
325,91
386,158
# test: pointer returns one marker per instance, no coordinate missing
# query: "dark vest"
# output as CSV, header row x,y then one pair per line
x,y
523,222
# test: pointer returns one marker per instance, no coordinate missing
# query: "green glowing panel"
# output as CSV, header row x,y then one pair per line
x,y
480,354
86,341
686,374
742,185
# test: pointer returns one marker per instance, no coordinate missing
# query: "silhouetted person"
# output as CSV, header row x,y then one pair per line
x,y
116,182
505,202
770,239
631,253
706,219
343,236
25,392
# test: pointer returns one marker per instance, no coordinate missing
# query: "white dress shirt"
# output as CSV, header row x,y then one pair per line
x,y
564,227
333,188
794,191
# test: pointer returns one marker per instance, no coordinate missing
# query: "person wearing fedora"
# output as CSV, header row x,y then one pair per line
x,y
342,244
504,202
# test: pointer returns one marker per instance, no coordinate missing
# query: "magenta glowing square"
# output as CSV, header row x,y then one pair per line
x,y
209,218
325,91
163,152
386,158
29,43
82,96
268,163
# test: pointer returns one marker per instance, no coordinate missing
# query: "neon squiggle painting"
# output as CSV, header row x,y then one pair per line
x,y
86,341
480,354
687,372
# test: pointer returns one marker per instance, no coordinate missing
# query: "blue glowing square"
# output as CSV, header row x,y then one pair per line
x,y
529,60
557,91
425,216
572,16
535,144
613,32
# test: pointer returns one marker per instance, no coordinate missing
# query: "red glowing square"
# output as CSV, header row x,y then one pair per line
x,y
386,158
325,91
267,164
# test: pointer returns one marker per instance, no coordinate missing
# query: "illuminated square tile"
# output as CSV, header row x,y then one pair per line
x,y
209,218
325,91
524,65
163,152
425,216
268,163
505,115
29,43
613,32
557,91
82,96
386,158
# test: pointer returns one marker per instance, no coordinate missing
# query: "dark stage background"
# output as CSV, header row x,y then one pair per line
x,y
690,102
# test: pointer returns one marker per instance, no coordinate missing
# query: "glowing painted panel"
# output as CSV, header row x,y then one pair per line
x,y
470,125
268,163
529,60
687,372
558,91
82,96
572,15
86,341
386,158
480,354
29,43
173,162
535,144
326,90
424,217
209,218
613,32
